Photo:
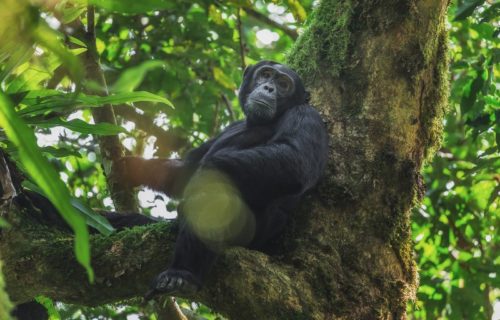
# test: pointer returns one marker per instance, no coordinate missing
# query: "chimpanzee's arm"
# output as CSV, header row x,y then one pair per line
x,y
290,163
165,175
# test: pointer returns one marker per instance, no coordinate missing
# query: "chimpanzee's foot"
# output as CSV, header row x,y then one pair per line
x,y
173,282
121,221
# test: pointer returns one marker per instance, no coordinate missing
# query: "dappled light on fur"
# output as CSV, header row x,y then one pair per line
x,y
215,211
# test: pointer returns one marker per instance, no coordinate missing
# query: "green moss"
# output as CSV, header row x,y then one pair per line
x,y
437,100
5,304
322,48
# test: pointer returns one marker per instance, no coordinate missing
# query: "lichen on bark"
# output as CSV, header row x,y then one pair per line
x,y
323,45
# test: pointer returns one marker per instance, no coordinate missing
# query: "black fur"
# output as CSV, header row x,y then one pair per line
x,y
270,164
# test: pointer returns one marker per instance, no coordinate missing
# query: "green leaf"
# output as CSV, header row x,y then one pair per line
x,y
493,12
15,58
92,218
3,223
49,305
469,98
40,102
103,128
221,77
467,8
69,12
132,77
48,39
46,178
60,152
133,6
297,10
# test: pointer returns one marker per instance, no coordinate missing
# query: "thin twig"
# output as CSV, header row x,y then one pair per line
x,y
110,146
215,123
259,16
229,106
240,39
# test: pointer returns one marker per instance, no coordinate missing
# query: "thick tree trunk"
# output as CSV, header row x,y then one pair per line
x,y
378,74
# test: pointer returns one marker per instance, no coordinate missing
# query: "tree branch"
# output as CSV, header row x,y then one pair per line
x,y
262,17
240,39
229,106
110,146
40,260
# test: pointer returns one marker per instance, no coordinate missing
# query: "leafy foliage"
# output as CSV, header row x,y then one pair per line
x,y
456,227
156,54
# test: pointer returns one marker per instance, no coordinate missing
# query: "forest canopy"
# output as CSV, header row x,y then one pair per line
x,y
85,82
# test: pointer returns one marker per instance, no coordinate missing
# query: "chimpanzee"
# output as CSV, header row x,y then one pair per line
x,y
239,187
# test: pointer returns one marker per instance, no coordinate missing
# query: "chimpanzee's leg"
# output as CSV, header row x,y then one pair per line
x,y
128,220
272,222
30,311
191,263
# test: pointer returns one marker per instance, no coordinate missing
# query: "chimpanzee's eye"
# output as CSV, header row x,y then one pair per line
x,y
284,83
266,74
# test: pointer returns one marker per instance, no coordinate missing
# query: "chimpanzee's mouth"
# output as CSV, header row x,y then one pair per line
x,y
262,103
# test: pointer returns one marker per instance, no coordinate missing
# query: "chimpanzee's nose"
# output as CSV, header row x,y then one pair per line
x,y
269,88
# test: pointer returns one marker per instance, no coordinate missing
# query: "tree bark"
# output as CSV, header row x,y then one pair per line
x,y
378,74
110,147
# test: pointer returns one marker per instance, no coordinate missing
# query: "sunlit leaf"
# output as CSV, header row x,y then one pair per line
x,y
60,152
132,77
103,128
132,6
48,38
46,178
40,102
223,79
297,9
467,8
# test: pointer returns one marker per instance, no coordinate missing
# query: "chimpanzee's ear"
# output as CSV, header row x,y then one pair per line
x,y
307,97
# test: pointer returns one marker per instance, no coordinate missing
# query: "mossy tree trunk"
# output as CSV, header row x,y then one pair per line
x,y
377,72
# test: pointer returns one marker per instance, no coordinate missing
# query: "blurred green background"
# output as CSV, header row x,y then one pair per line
x,y
191,54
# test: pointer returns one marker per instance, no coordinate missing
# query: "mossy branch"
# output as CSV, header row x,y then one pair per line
x,y
40,260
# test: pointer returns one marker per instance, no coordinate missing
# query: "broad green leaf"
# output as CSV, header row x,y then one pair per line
x,y
48,39
132,77
470,97
67,102
50,306
103,128
16,58
77,41
133,6
46,178
3,223
491,13
92,218
223,79
297,9
467,8
69,12
60,152
55,152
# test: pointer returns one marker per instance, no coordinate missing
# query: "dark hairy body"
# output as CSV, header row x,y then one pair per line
x,y
262,164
